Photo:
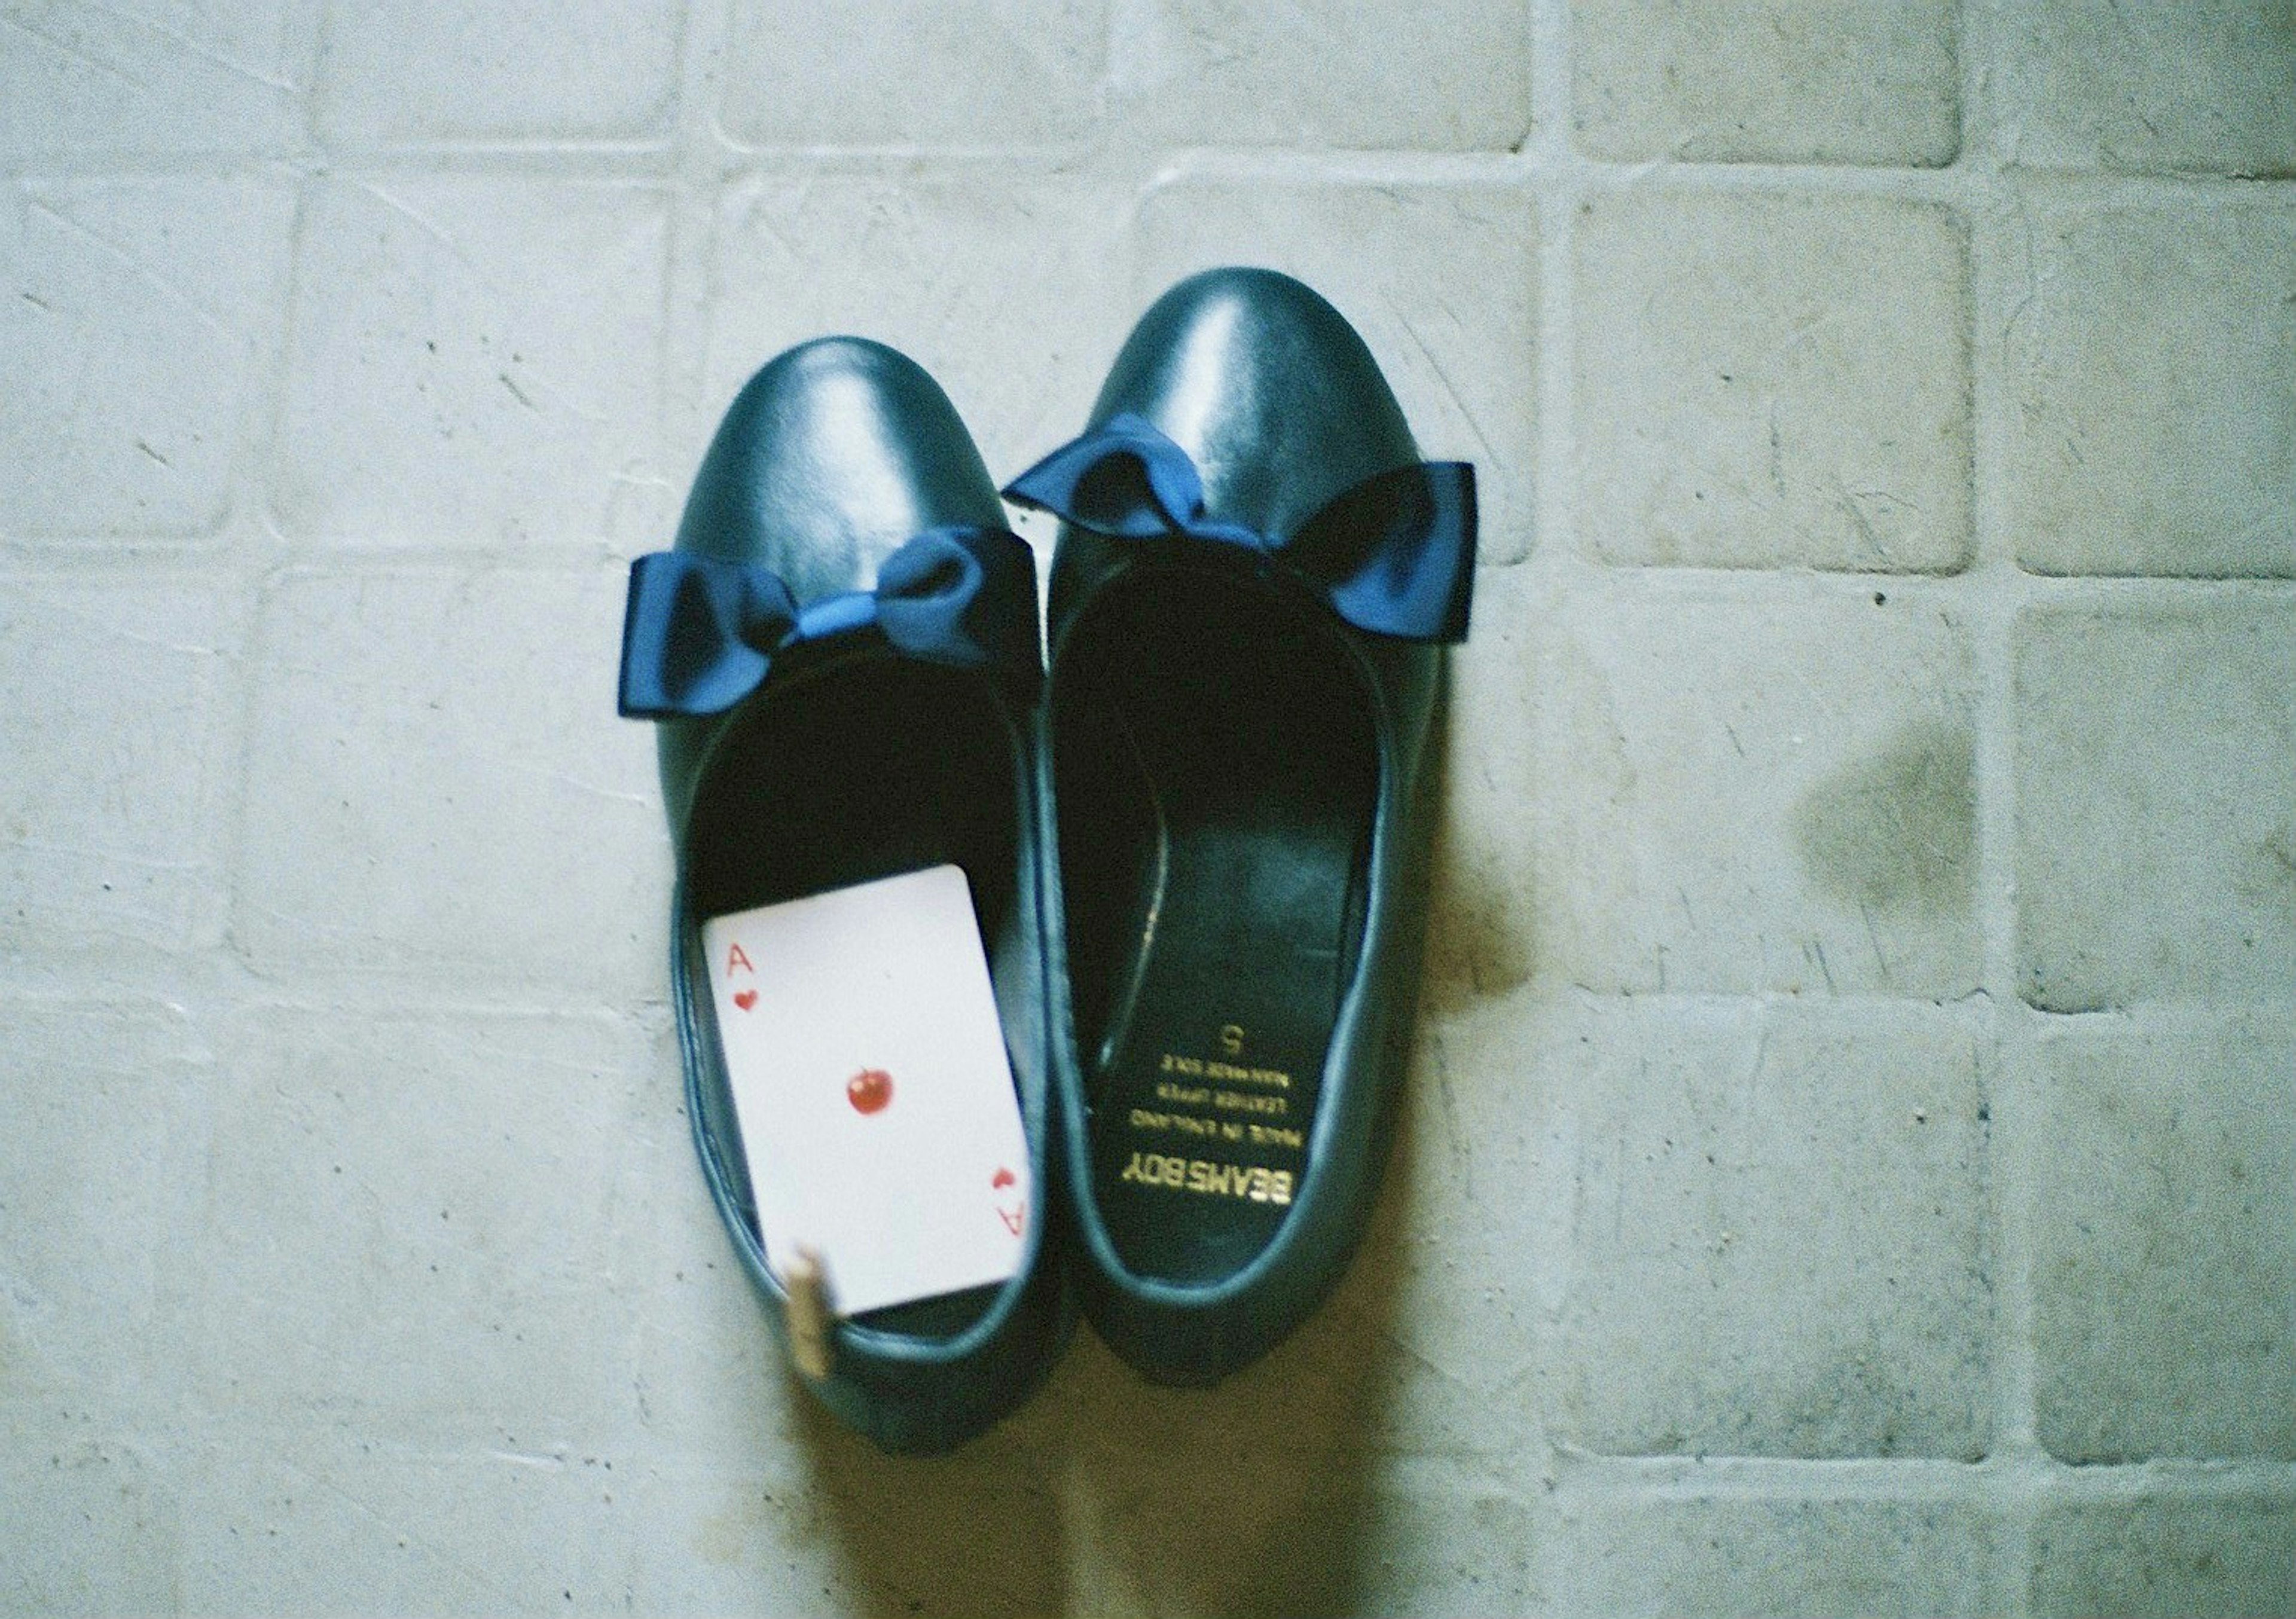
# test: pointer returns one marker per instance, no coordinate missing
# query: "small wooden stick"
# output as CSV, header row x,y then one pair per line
x,y
809,1314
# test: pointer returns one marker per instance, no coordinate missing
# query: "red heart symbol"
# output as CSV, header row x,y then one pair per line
x,y
745,998
1002,1178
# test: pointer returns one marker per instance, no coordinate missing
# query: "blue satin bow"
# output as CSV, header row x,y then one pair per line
x,y
700,634
1394,554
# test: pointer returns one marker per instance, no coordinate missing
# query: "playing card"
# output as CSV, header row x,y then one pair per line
x,y
872,1088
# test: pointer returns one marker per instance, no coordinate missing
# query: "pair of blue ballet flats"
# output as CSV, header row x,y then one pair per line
x,y
1196,832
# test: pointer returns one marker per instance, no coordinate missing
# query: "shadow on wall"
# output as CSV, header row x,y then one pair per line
x,y
1481,938
1251,1498
1255,1497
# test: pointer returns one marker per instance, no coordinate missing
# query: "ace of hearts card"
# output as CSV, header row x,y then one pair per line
x,y
872,1087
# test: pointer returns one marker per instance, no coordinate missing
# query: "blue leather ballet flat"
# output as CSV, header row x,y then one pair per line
x,y
1254,580
842,651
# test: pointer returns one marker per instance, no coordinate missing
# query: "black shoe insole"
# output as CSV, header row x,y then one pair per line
x,y
1256,773
891,767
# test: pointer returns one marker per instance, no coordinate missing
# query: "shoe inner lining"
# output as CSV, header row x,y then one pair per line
x,y
880,767
1215,776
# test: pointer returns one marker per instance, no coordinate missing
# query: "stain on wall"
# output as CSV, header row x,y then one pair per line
x,y
1896,830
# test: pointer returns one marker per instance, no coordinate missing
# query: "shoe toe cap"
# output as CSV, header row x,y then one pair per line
x,y
1268,388
834,454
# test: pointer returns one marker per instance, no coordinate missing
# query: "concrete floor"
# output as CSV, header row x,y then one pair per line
x,y
1852,1159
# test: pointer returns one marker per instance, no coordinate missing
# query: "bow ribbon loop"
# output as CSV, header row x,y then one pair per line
x,y
1394,554
1128,481
701,633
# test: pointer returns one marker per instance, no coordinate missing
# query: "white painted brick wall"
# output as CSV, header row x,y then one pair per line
x,y
1849,1155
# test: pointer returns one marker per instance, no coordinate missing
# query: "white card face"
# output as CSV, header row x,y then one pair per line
x,y
870,1084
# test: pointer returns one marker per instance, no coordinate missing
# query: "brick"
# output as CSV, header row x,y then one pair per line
x,y
498,823
980,1532
114,698
1774,82
1760,1555
347,1553
1000,290
315,1519
2154,365
586,1524
1338,73
473,361
2191,1559
83,81
1771,792
115,1094
425,1295
1435,1538
997,1500
94,1522
2182,89
497,1511
718,1539
1768,381
1781,1243
1441,279
972,73
513,69
140,311
2165,1237
2156,804
1465,1265
500,1519
1288,1529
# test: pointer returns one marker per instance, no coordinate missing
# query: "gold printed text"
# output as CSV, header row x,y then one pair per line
x,y
1245,1182
1233,1073
1185,1123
